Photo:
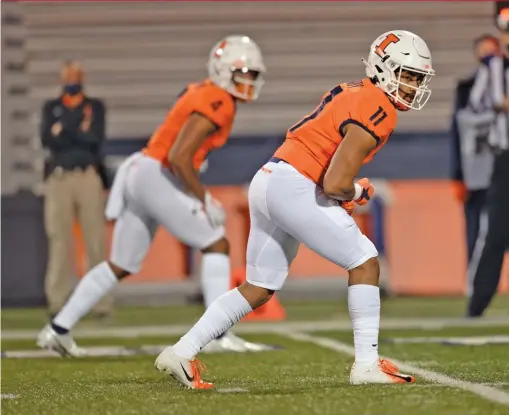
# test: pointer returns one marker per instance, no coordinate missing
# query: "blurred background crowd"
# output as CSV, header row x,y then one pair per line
x,y
101,76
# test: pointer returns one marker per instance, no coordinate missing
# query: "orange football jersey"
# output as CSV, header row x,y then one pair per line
x,y
311,143
204,98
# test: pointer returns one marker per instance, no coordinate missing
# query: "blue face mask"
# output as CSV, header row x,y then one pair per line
x,y
72,89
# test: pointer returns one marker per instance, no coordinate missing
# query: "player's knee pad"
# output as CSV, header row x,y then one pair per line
x,y
364,251
270,279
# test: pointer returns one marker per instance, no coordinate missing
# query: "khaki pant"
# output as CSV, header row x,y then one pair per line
x,y
70,194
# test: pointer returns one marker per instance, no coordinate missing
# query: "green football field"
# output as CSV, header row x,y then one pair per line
x,y
462,366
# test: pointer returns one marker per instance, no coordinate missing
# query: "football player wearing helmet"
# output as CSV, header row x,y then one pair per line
x,y
161,186
400,64
297,197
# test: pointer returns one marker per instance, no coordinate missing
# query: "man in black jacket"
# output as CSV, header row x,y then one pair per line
x,y
73,130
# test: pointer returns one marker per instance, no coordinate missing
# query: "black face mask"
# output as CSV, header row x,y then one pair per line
x,y
73,89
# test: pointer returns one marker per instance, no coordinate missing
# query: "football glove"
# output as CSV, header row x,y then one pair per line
x,y
364,191
214,211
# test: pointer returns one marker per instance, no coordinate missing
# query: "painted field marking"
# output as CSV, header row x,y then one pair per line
x,y
125,332
487,392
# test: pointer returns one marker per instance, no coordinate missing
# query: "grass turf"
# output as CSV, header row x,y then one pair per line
x,y
297,311
301,379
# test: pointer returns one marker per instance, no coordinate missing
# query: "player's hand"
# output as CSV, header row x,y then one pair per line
x,y
56,129
348,205
214,211
364,191
460,191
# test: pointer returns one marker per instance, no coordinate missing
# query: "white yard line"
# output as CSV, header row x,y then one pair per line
x,y
257,328
232,390
486,392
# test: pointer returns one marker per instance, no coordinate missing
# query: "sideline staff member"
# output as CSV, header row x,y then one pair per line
x,y
490,93
472,159
73,129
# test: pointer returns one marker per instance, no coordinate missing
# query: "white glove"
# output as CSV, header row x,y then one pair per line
x,y
214,211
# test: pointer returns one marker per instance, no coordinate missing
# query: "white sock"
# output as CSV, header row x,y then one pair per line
x,y
98,282
214,276
364,307
222,314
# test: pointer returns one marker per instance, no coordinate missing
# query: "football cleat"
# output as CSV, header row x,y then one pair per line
x,y
63,344
382,371
186,372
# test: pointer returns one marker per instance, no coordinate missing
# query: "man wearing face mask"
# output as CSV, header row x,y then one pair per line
x,y
472,163
73,129
490,94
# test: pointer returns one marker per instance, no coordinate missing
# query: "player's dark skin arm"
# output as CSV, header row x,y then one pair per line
x,y
338,181
191,136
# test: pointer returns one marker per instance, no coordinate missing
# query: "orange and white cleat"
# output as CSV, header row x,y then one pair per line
x,y
186,372
382,371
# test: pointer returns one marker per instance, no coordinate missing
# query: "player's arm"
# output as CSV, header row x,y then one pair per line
x,y
191,136
338,182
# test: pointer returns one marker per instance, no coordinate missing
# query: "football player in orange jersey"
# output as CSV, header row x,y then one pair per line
x,y
296,197
161,186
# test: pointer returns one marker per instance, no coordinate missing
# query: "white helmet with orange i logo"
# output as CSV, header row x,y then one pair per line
x,y
400,63
236,64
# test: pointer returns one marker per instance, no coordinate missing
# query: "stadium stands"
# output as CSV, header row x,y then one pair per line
x,y
140,55
20,158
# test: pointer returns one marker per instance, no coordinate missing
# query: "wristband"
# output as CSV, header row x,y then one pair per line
x,y
358,191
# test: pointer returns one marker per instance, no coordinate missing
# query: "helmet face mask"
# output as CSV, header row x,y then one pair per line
x,y
247,83
410,88
400,63
236,64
